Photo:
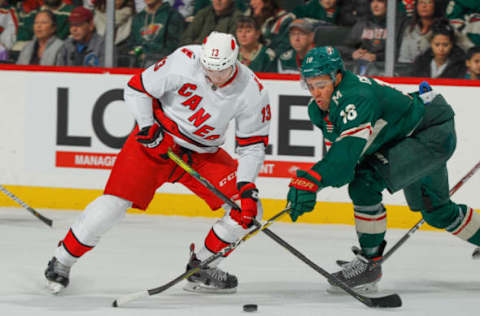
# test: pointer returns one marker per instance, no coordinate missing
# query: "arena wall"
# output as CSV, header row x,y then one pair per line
x,y
62,128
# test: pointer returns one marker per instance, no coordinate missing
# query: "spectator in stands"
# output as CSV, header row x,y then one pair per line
x,y
61,11
84,47
301,34
44,47
155,32
220,16
273,22
464,16
8,29
200,4
351,11
252,52
366,43
123,20
417,31
473,63
444,59
325,11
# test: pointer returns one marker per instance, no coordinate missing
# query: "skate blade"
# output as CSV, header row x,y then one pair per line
x,y
201,288
365,288
54,287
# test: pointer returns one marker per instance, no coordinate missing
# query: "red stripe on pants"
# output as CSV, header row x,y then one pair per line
x,y
73,246
214,244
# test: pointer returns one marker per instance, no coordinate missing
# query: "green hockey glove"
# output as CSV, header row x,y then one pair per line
x,y
302,194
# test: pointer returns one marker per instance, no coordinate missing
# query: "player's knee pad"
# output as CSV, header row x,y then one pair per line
x,y
366,188
98,217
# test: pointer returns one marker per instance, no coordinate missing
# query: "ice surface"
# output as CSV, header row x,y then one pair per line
x,y
432,272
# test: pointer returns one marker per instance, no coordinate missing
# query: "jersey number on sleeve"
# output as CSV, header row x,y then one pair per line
x,y
266,114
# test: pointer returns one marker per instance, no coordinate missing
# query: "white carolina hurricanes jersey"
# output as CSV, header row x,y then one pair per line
x,y
197,114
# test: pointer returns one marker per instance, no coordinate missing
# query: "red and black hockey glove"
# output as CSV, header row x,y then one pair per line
x,y
248,199
155,139
302,194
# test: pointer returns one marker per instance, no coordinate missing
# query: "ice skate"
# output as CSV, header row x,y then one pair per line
x,y
362,274
57,275
209,279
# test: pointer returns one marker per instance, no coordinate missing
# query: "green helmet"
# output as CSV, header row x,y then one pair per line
x,y
324,60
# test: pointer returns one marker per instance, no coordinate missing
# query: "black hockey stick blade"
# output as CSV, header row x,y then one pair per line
x,y
389,301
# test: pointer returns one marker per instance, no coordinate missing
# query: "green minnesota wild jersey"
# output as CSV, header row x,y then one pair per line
x,y
26,21
364,115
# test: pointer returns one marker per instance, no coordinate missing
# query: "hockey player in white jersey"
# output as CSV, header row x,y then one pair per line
x,y
183,102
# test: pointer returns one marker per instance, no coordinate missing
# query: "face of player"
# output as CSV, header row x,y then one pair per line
x,y
220,5
328,4
218,77
43,27
299,39
257,6
473,64
378,7
82,32
247,35
425,8
441,46
321,88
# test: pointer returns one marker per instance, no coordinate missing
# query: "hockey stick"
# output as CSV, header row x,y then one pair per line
x,y
420,223
202,180
44,219
412,230
130,297
392,300
385,301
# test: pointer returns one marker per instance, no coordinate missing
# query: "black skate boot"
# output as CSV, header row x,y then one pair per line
x,y
57,275
209,279
362,273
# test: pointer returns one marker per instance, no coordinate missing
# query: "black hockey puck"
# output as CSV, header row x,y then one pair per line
x,y
250,307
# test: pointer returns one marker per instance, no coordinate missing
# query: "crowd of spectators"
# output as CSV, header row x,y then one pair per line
x,y
434,38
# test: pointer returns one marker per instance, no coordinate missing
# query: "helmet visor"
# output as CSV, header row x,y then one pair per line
x,y
313,83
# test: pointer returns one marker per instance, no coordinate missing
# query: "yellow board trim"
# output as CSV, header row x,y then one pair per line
x,y
192,206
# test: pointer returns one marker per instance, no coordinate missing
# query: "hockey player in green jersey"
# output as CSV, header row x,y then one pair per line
x,y
378,138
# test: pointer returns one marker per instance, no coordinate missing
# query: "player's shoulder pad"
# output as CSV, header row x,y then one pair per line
x,y
253,88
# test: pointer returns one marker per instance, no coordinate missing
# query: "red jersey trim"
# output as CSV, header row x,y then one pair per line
x,y
170,125
252,140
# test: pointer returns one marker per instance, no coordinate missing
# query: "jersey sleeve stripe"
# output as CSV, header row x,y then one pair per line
x,y
363,131
247,141
136,83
